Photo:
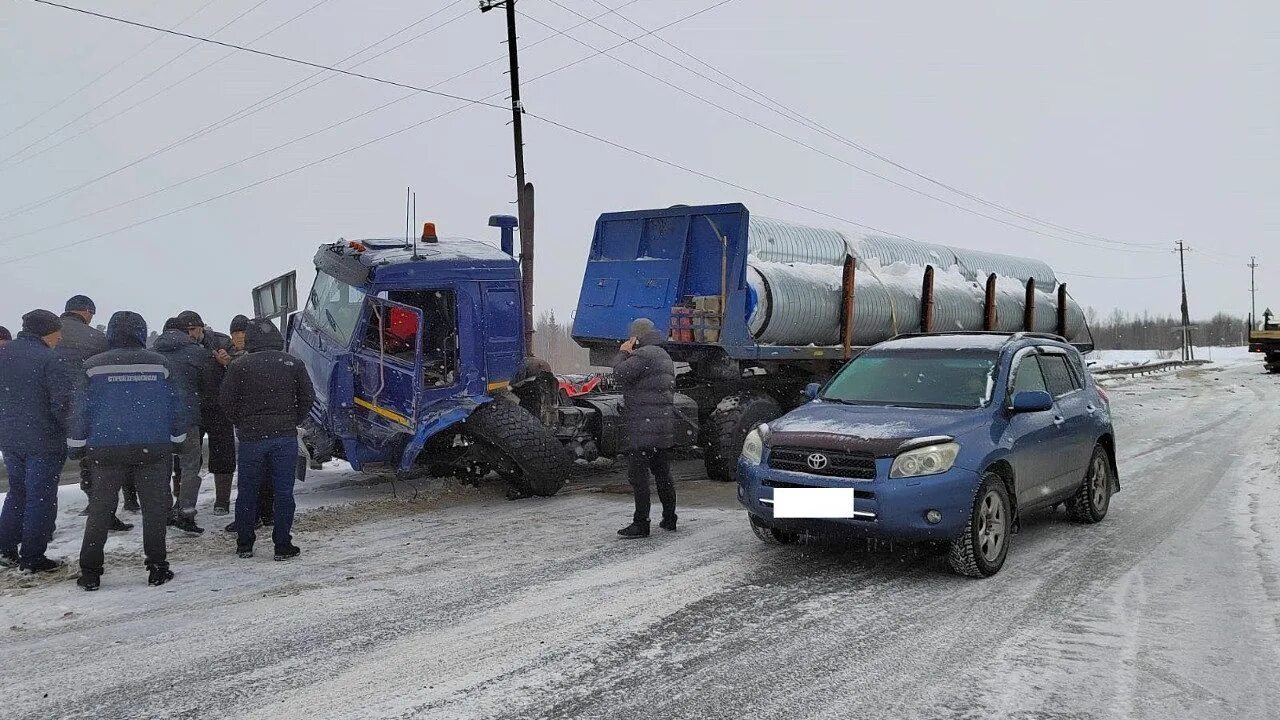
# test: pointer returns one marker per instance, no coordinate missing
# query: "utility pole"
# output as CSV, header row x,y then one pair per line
x,y
1186,316
524,191
1253,292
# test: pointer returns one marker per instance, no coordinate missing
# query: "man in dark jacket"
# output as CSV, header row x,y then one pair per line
x,y
35,395
648,379
222,437
81,341
266,395
126,420
189,365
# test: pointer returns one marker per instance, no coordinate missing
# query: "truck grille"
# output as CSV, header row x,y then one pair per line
x,y
853,465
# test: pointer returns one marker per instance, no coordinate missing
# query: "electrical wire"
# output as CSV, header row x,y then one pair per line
x,y
1116,277
782,109
89,84
95,125
820,151
241,114
129,87
331,126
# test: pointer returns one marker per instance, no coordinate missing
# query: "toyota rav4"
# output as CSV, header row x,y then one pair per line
x,y
944,439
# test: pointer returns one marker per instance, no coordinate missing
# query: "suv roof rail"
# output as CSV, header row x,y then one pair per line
x,y
1019,335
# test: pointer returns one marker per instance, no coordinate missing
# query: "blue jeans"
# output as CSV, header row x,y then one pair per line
x,y
26,523
273,461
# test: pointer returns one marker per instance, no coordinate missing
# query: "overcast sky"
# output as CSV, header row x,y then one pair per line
x,y
1139,122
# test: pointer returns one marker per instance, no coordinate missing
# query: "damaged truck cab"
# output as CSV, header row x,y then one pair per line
x,y
412,348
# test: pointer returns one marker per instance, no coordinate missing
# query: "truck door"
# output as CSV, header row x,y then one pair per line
x,y
388,365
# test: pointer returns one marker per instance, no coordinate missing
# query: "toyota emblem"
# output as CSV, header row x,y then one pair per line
x,y
817,461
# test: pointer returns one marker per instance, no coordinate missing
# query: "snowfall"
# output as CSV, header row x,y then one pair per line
x,y
436,600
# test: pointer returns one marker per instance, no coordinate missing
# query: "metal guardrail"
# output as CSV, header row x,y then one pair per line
x,y
1149,368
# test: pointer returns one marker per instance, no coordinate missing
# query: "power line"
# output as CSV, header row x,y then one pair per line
x,y
129,87
144,221
820,151
95,125
295,140
87,85
795,116
247,111
263,53
1117,277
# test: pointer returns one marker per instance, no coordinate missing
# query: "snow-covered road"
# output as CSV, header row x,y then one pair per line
x,y
467,606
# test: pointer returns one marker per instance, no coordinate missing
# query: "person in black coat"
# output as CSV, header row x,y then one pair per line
x,y
35,399
648,379
266,395
191,366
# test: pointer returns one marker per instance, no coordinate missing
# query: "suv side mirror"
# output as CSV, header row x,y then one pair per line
x,y
1031,401
811,390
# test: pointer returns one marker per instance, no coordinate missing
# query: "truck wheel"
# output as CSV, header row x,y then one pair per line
x,y
520,448
982,546
771,535
1090,503
727,428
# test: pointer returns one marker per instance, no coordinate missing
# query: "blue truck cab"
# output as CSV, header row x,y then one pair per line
x,y
412,349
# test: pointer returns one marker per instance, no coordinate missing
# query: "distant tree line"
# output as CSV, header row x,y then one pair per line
x,y
553,342
1123,331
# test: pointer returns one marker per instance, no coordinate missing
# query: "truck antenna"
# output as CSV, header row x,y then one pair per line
x,y
414,225
407,224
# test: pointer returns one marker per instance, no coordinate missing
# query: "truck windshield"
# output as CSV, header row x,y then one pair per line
x,y
334,307
934,379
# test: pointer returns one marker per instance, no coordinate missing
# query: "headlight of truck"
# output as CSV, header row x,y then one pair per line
x,y
753,446
928,460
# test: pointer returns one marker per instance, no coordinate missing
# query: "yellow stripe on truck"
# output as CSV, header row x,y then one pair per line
x,y
500,385
388,414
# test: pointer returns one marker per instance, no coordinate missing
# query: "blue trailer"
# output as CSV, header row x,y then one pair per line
x,y
705,273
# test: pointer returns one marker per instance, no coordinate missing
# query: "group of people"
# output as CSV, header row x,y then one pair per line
x,y
136,419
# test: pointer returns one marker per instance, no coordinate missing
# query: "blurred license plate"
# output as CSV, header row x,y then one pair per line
x,y
813,502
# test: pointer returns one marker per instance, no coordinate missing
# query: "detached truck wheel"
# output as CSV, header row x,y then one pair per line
x,y
526,452
727,428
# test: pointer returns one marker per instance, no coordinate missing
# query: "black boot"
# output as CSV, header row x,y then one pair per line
x,y
635,530
89,581
159,574
9,559
41,564
668,522
186,523
118,525
131,501
244,551
284,552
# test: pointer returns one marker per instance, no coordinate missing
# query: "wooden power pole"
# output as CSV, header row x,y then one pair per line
x,y
1187,353
524,190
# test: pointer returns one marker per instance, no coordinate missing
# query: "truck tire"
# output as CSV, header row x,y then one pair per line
x,y
727,427
1089,504
537,463
981,548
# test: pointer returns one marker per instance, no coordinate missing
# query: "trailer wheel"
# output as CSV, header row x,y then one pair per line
x,y
519,448
727,428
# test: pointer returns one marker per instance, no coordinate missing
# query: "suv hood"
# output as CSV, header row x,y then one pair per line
x,y
869,428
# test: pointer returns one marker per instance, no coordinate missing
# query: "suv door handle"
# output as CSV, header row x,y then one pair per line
x,y
1058,419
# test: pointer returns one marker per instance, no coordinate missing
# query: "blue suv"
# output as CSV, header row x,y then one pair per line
x,y
941,438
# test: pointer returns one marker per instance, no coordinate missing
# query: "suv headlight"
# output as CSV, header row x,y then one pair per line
x,y
753,446
928,460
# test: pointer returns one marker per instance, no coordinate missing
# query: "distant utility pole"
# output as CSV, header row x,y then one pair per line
x,y
1253,291
1187,353
524,191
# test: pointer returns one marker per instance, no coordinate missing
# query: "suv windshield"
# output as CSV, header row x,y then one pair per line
x,y
334,307
930,378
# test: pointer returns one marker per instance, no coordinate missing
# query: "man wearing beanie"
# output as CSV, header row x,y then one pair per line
x,y
81,341
35,395
189,365
267,395
648,379
126,418
222,436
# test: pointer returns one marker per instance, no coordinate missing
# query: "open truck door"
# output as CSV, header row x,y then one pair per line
x,y
388,368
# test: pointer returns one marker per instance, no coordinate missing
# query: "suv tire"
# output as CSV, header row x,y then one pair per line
x,y
1089,504
981,548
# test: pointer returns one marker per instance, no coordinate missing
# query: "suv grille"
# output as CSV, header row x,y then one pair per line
x,y
853,465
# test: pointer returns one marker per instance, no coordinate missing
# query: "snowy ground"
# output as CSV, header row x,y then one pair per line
x,y
1223,356
462,605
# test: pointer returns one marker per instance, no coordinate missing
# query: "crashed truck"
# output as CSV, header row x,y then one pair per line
x,y
416,354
